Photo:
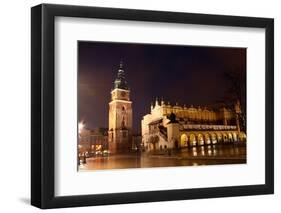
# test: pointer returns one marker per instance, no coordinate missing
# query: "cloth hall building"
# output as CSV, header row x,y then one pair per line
x,y
169,127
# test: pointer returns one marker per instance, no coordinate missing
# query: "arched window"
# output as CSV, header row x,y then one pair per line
x,y
192,140
214,138
123,122
200,139
184,140
207,139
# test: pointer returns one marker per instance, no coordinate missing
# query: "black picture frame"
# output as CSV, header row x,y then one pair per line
x,y
43,110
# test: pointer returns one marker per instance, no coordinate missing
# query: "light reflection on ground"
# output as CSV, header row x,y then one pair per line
x,y
195,156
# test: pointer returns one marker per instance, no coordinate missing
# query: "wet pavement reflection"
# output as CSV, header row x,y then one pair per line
x,y
193,156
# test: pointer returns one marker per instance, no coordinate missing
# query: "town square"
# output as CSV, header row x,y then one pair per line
x,y
171,133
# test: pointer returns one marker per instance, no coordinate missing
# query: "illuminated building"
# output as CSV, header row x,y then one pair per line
x,y
120,115
169,127
92,141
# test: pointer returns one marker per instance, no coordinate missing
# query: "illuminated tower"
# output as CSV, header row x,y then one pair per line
x,y
120,115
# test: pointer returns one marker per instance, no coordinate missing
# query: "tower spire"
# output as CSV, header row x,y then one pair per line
x,y
156,102
162,102
121,64
120,82
151,106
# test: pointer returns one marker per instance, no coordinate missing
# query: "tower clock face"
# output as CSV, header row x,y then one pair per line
x,y
123,94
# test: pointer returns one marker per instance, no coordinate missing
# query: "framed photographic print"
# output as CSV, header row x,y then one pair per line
x,y
140,106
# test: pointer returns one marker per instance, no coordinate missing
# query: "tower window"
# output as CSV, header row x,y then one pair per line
x,y
123,122
123,108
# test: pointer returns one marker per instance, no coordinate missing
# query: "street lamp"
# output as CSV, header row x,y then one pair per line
x,y
81,126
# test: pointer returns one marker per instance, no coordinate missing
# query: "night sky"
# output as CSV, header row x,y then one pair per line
x,y
190,75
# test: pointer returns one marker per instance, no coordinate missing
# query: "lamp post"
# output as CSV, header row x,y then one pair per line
x,y
81,126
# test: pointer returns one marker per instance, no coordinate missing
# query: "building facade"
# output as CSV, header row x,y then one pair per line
x,y
169,127
92,142
120,115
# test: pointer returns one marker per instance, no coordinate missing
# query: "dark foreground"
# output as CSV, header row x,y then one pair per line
x,y
202,155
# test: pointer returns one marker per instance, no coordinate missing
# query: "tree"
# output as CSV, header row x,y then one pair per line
x,y
235,91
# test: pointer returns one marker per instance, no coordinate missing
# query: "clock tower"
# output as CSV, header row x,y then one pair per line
x,y
120,115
